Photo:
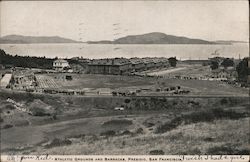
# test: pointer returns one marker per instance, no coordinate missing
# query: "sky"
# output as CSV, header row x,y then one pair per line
x,y
108,20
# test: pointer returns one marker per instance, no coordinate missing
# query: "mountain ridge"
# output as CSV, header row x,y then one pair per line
x,y
153,38
148,38
20,39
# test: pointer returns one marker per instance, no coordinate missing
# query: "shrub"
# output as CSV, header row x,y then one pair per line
x,y
7,126
78,136
118,122
194,151
54,117
58,142
201,116
169,125
194,103
21,123
148,124
30,97
209,139
127,100
36,111
139,131
223,101
156,152
10,107
108,133
126,132
221,150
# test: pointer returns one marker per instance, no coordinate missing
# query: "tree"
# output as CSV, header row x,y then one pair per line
x,y
172,61
243,70
227,62
25,61
214,65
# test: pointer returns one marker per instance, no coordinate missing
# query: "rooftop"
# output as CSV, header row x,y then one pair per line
x,y
61,60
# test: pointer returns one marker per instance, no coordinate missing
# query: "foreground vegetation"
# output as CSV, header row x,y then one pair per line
x,y
148,125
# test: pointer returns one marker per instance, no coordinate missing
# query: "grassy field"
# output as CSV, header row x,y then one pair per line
x,y
196,70
148,125
196,87
98,81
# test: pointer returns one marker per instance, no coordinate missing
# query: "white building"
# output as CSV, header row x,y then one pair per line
x,y
5,80
60,65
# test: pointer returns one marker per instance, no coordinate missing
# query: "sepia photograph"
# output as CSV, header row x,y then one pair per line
x,y
124,78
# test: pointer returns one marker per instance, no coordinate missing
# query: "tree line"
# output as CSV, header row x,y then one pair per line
x,y
242,68
25,61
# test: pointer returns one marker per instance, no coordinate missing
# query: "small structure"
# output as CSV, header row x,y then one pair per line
x,y
104,91
119,108
5,81
60,65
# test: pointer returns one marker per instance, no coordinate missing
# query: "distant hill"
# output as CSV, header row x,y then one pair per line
x,y
229,41
153,38
19,39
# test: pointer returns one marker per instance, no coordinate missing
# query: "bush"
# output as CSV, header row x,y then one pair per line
x,y
156,152
169,125
126,132
127,100
58,142
223,101
227,150
139,131
10,107
118,122
78,136
148,124
7,126
194,151
108,133
30,97
209,139
21,123
201,116
36,111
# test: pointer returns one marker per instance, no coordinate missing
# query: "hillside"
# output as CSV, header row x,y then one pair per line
x,y
153,38
19,39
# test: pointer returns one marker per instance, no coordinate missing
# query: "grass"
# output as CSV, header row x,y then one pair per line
x,y
58,142
186,139
228,149
117,122
196,87
83,119
201,116
101,81
156,152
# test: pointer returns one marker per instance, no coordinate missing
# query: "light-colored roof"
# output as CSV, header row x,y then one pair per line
x,y
61,60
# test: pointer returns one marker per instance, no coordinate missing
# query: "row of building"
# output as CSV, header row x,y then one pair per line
x,y
116,66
